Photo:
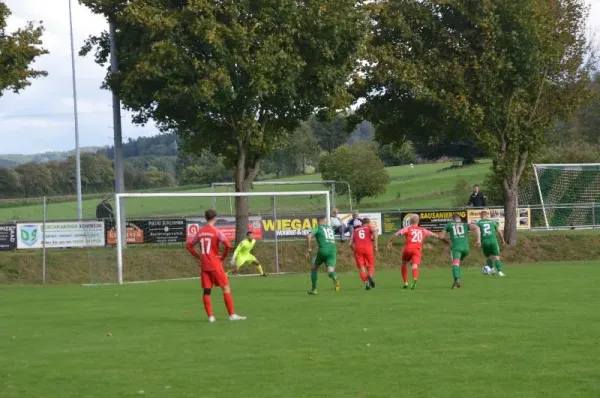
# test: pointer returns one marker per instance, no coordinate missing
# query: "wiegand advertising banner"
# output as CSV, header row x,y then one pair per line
x,y
289,227
60,234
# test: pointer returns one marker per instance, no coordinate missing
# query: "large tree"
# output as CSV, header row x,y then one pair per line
x,y
498,72
18,50
232,76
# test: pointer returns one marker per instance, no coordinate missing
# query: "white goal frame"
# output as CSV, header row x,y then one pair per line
x,y
564,166
119,226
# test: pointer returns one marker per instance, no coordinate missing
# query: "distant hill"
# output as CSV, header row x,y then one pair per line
x,y
13,160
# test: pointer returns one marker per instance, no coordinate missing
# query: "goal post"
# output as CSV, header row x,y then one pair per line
x,y
270,206
567,195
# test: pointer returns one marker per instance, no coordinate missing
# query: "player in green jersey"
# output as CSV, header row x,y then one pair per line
x,y
489,243
326,254
459,243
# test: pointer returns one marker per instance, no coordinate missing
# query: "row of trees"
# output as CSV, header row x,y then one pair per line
x,y
237,78
32,180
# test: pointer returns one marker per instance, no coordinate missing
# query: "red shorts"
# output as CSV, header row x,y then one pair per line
x,y
217,278
412,255
364,258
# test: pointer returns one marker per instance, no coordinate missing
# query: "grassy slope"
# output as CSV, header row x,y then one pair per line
x,y
430,189
532,334
166,262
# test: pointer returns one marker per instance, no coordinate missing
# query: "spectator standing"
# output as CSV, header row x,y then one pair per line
x,y
104,210
477,198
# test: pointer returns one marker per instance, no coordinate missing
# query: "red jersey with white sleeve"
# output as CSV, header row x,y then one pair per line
x,y
208,239
415,235
363,246
363,238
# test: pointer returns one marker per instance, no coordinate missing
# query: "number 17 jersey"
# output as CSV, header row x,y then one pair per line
x,y
415,235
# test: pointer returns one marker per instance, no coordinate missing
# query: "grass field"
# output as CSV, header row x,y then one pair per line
x,y
532,334
424,187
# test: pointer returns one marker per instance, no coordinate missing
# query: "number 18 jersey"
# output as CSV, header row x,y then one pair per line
x,y
325,238
415,235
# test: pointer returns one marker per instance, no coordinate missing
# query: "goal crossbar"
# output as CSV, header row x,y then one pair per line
x,y
119,221
214,185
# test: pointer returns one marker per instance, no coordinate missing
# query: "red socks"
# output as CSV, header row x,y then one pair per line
x,y
229,303
404,271
207,305
363,276
415,272
371,271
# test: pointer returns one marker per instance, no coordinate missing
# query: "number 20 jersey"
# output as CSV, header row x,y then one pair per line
x,y
415,236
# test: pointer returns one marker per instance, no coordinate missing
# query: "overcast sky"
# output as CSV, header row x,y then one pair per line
x,y
41,117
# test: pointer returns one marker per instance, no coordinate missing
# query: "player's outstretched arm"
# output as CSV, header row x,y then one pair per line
x,y
394,237
477,230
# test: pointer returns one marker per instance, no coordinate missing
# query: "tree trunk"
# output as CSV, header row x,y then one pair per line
x,y
510,212
244,177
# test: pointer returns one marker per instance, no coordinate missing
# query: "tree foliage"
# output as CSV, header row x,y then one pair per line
x,y
360,166
232,76
18,50
501,73
299,151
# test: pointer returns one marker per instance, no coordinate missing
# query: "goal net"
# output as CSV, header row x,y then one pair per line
x,y
565,196
149,232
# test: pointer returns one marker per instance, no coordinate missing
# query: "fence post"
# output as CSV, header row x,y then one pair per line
x,y
44,240
274,204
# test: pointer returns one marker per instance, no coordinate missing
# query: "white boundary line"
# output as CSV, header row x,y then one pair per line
x,y
181,279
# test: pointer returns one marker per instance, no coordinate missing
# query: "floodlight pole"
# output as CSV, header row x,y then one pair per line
x,y
76,120
118,133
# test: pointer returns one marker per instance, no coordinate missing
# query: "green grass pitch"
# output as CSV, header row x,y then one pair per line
x,y
535,333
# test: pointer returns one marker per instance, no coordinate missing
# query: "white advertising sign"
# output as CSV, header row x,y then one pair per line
x,y
374,217
60,234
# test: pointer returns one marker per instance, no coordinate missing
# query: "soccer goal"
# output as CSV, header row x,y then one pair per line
x,y
150,231
568,196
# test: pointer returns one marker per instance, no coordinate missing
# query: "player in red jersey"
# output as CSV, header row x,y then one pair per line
x,y
415,235
212,273
363,239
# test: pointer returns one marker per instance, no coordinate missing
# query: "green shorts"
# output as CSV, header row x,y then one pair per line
x,y
490,248
459,253
327,258
244,259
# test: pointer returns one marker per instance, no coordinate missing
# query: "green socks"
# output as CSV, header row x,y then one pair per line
x,y
314,275
490,262
499,265
456,272
333,275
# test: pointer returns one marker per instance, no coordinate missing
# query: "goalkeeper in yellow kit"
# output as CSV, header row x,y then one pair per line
x,y
242,255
